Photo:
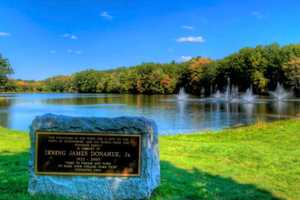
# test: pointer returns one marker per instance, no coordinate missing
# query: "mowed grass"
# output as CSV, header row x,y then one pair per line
x,y
261,161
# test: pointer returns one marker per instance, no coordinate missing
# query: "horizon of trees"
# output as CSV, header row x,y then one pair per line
x,y
261,67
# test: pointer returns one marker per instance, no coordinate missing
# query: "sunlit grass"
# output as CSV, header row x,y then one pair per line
x,y
261,161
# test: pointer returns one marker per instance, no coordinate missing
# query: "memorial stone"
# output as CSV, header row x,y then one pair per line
x,y
94,158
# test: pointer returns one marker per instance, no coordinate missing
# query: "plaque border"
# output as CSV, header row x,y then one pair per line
x,y
37,133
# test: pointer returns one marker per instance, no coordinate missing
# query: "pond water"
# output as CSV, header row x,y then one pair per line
x,y
171,115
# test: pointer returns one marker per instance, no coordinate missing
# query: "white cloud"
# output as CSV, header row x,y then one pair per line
x,y
52,51
257,14
187,27
105,15
185,58
4,34
73,37
77,52
70,36
191,39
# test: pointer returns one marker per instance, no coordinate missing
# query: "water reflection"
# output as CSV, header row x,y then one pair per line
x,y
4,105
18,110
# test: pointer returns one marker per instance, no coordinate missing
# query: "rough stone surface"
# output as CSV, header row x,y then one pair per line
x,y
90,187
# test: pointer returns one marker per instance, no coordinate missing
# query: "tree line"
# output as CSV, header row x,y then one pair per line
x,y
261,67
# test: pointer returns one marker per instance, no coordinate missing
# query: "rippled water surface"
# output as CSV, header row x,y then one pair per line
x,y
172,116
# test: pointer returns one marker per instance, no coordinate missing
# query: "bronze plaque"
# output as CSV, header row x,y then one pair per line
x,y
87,154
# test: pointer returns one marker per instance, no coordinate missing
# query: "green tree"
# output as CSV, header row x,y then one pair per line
x,y
195,74
5,70
85,81
58,84
292,72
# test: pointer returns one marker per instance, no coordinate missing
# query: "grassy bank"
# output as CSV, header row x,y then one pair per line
x,y
256,162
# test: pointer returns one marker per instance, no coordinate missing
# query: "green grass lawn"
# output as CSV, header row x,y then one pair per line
x,y
256,162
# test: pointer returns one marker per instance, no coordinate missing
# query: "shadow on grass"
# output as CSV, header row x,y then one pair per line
x,y
180,184
14,177
176,183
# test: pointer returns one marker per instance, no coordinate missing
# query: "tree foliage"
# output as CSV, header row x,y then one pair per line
x,y
260,67
5,70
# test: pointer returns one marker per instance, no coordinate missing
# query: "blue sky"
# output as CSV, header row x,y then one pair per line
x,y
60,37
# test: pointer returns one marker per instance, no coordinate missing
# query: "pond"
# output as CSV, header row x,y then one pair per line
x,y
171,115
